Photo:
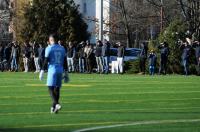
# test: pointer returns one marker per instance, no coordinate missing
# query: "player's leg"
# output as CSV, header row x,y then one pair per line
x,y
53,97
51,83
59,77
57,94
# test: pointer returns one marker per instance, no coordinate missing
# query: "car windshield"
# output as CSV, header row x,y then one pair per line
x,y
113,52
131,53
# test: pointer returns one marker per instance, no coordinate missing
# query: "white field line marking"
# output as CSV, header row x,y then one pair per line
x,y
105,111
139,123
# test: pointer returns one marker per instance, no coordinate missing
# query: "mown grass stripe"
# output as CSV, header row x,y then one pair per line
x,y
106,101
106,94
100,111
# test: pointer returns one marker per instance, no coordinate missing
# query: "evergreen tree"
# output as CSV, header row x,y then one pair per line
x,y
44,17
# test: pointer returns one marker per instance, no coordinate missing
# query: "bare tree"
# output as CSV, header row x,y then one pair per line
x,y
132,19
191,13
4,20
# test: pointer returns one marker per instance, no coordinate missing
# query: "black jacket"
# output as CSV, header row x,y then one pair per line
x,y
98,52
143,53
36,51
186,52
164,51
120,51
1,53
197,50
41,53
81,53
27,51
71,52
106,50
7,53
152,59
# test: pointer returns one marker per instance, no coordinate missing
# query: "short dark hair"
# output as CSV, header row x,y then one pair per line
x,y
54,36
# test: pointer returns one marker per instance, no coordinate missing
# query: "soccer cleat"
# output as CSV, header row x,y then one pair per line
x,y
52,110
58,107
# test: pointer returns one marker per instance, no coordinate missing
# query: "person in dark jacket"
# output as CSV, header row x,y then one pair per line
x,y
143,57
164,53
98,55
15,54
41,55
120,57
36,57
1,52
152,62
7,56
196,46
81,57
88,51
1,57
106,56
27,52
71,52
186,50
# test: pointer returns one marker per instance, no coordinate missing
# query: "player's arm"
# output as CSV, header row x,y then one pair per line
x,y
65,66
45,63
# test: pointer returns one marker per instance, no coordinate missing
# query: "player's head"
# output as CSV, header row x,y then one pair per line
x,y
53,39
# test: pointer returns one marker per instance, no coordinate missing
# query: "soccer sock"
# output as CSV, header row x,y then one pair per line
x,y
57,93
53,96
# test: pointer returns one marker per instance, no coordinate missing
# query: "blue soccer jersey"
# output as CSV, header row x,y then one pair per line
x,y
56,55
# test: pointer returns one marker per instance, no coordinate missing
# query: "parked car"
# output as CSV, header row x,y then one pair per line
x,y
131,54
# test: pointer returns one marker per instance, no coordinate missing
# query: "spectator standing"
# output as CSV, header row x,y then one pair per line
x,y
36,57
98,55
186,50
120,57
1,52
15,54
41,55
26,56
143,57
164,53
7,56
106,56
1,57
88,50
81,57
196,46
71,52
152,62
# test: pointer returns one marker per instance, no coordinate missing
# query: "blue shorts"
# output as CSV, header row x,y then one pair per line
x,y
54,79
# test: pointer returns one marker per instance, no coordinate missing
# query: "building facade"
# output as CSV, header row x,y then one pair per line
x,y
90,9
5,18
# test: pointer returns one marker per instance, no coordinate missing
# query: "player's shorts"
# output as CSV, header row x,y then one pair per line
x,y
54,79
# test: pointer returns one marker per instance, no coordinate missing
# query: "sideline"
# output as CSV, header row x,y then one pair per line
x,y
139,123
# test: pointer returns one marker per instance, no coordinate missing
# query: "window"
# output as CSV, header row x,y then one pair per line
x,y
85,8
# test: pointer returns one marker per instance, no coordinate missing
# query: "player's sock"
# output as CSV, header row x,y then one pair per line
x,y
57,93
53,96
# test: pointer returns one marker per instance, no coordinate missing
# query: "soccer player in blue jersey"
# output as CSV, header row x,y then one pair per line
x,y
55,58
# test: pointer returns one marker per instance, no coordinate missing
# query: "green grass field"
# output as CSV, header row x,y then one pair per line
x,y
111,103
